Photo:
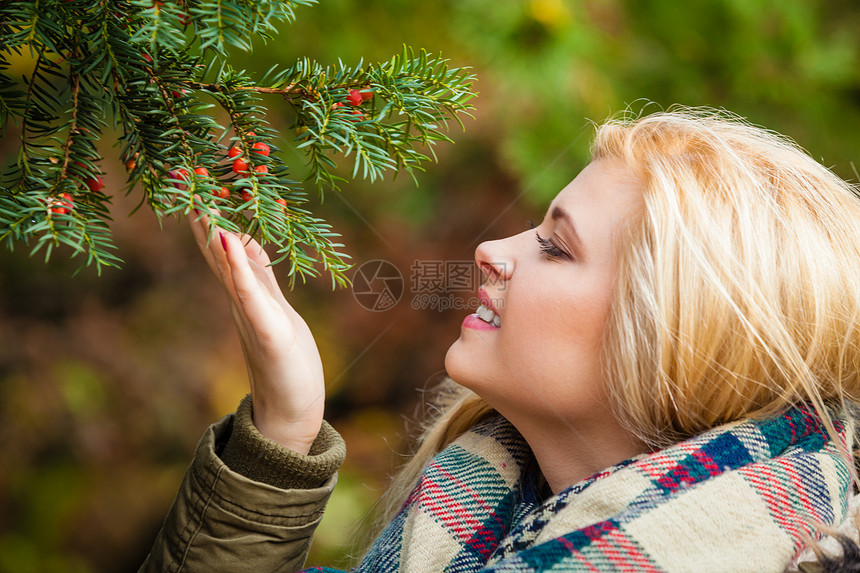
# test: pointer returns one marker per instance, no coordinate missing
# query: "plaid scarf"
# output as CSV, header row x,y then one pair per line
x,y
742,497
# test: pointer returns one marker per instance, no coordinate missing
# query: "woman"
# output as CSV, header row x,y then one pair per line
x,y
662,378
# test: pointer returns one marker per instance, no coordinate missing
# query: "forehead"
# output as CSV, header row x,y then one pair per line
x,y
605,187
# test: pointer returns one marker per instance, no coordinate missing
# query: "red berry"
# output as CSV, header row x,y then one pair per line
x,y
366,95
252,134
261,148
336,105
233,152
240,166
246,195
95,184
201,171
180,174
64,204
354,97
221,193
282,202
261,169
148,58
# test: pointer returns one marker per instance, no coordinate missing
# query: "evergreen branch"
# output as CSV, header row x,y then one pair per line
x,y
422,89
161,27
220,24
143,63
75,82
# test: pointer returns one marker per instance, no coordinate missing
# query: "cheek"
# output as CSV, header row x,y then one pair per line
x,y
557,341
561,318
554,341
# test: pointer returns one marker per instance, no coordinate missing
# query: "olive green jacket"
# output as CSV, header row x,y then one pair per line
x,y
246,504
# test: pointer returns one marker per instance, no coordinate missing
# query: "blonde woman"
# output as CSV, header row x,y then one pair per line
x,y
662,378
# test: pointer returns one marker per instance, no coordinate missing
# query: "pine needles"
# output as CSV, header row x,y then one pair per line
x,y
155,72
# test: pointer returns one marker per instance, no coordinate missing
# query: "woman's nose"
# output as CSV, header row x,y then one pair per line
x,y
495,260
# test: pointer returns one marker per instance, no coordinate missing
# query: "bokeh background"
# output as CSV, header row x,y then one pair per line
x,y
107,382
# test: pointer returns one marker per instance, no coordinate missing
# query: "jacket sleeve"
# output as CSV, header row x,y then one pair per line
x,y
246,504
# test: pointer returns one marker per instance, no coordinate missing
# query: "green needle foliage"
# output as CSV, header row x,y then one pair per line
x,y
155,73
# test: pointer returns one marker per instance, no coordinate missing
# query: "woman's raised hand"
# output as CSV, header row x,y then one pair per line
x,y
284,366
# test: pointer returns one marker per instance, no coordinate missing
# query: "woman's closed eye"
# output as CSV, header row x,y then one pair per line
x,y
550,249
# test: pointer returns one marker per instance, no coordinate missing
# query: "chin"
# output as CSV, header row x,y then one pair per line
x,y
467,369
454,362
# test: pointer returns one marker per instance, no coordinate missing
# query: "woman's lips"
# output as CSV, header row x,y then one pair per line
x,y
485,317
486,300
474,322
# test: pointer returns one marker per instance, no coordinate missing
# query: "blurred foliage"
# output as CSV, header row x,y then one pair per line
x,y
106,384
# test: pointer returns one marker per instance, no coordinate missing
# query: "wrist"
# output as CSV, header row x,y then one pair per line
x,y
294,432
258,458
293,435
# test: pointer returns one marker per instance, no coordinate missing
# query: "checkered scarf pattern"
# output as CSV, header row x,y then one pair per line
x,y
742,497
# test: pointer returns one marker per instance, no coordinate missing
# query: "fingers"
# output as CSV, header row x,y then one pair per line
x,y
210,240
255,252
241,265
247,291
203,232
262,265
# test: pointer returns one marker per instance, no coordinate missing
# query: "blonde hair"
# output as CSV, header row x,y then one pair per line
x,y
738,290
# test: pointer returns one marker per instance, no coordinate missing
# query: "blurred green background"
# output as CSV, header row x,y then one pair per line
x,y
107,383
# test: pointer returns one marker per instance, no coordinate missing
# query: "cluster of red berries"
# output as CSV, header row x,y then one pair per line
x,y
240,164
356,98
240,167
65,202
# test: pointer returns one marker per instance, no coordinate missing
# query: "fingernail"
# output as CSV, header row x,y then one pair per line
x,y
223,240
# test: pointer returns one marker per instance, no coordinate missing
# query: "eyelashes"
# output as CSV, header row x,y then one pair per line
x,y
547,247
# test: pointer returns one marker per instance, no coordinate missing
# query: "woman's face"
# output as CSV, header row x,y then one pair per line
x,y
550,288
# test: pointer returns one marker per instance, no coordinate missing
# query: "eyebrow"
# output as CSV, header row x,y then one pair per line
x,y
559,213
